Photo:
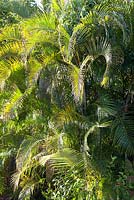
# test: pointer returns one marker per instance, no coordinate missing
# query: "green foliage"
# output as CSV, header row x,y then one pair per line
x,y
69,186
12,11
67,100
6,14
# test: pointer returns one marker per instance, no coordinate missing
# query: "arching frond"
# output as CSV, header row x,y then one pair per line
x,y
65,158
104,16
28,148
91,49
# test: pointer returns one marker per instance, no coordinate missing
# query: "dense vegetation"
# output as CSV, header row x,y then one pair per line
x,y
67,100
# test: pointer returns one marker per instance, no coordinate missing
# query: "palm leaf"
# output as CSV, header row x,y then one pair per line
x,y
15,101
24,161
34,69
65,116
65,158
123,129
106,106
4,72
27,190
93,48
11,104
74,75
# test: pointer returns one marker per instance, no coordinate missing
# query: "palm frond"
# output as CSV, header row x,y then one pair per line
x,y
27,190
11,42
123,130
63,39
11,104
65,116
93,48
74,75
55,5
11,33
34,69
65,158
9,69
79,39
16,100
4,72
45,22
103,15
106,106
24,162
